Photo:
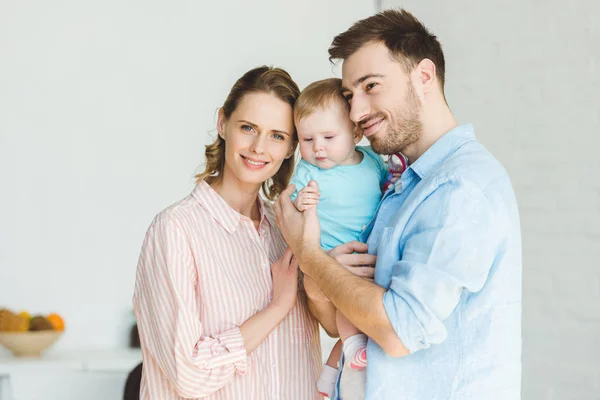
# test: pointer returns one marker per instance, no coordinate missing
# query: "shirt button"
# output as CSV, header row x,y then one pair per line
x,y
398,185
273,365
363,228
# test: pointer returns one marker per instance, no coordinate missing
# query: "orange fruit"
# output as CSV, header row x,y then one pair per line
x,y
57,322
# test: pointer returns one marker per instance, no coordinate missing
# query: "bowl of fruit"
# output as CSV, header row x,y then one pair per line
x,y
27,336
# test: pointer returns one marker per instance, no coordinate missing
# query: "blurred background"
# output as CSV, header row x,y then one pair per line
x,y
105,108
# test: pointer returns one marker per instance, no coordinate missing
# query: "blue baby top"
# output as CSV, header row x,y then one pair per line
x,y
349,195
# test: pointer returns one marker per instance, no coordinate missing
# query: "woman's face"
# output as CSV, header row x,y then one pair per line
x,y
258,138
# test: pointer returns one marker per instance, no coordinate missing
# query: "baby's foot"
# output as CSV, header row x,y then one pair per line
x,y
326,382
355,351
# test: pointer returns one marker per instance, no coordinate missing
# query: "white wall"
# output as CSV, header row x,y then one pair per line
x,y
527,75
104,110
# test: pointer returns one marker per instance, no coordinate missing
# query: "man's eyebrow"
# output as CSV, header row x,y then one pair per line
x,y
256,127
362,79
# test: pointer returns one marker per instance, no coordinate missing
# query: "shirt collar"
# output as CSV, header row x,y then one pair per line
x,y
226,216
442,149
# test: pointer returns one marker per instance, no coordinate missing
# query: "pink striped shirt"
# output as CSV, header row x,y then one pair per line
x,y
204,269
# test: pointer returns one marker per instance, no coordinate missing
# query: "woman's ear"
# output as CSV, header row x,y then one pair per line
x,y
221,124
358,135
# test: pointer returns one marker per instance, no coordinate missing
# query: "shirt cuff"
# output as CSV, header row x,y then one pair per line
x,y
413,334
228,348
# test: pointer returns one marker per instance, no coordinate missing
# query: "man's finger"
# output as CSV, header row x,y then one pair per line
x,y
363,272
348,248
313,184
356,259
284,197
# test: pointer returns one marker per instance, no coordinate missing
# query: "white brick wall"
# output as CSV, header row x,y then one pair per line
x,y
527,76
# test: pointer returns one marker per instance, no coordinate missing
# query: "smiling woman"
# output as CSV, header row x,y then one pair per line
x,y
258,107
214,280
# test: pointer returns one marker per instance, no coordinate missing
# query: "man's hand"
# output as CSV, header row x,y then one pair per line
x,y
353,256
300,230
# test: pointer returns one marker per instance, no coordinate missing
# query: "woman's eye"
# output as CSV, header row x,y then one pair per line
x,y
278,136
247,128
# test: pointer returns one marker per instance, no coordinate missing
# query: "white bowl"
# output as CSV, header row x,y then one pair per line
x,y
28,344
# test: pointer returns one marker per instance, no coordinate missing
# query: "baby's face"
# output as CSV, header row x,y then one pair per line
x,y
327,137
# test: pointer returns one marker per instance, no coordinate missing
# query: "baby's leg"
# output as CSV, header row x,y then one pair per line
x,y
355,342
328,377
336,353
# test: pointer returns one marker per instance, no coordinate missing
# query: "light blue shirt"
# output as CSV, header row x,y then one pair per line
x,y
350,195
448,246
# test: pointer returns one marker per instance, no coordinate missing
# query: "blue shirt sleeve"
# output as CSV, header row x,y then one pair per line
x,y
449,246
303,173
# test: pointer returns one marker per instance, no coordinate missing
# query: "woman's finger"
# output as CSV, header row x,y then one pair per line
x,y
286,257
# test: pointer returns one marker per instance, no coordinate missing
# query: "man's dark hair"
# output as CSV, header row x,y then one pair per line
x,y
407,39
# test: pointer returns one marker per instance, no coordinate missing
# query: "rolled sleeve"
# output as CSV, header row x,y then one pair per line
x,y
228,348
448,246
166,307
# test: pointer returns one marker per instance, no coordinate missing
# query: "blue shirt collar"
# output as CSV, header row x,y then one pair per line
x,y
442,149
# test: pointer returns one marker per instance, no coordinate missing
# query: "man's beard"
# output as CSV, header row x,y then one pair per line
x,y
407,130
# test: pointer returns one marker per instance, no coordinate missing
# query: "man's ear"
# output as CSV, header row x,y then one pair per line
x,y
358,134
221,120
426,77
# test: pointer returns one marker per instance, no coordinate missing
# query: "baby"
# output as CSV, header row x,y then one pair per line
x,y
350,180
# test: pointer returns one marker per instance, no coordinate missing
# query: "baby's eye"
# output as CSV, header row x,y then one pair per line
x,y
329,137
348,97
308,139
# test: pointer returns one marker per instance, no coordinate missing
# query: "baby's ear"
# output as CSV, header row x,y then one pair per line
x,y
358,135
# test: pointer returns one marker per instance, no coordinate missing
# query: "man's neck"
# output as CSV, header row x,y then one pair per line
x,y
436,123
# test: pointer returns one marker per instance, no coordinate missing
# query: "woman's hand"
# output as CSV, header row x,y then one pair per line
x,y
285,281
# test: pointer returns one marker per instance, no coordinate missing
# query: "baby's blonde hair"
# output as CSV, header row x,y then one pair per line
x,y
318,95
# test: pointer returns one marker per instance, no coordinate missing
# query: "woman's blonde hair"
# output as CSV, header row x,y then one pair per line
x,y
263,79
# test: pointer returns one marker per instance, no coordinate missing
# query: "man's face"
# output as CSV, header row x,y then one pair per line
x,y
383,102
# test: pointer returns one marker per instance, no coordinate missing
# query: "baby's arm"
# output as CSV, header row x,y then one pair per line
x,y
307,197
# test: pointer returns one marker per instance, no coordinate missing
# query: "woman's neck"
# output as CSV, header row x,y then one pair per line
x,y
242,197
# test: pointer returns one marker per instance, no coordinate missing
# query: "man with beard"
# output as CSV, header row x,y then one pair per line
x,y
443,314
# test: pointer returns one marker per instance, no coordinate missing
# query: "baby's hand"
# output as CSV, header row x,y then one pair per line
x,y
308,197
395,176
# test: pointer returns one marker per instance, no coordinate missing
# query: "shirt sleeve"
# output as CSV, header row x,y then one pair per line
x,y
379,161
168,318
303,174
449,246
